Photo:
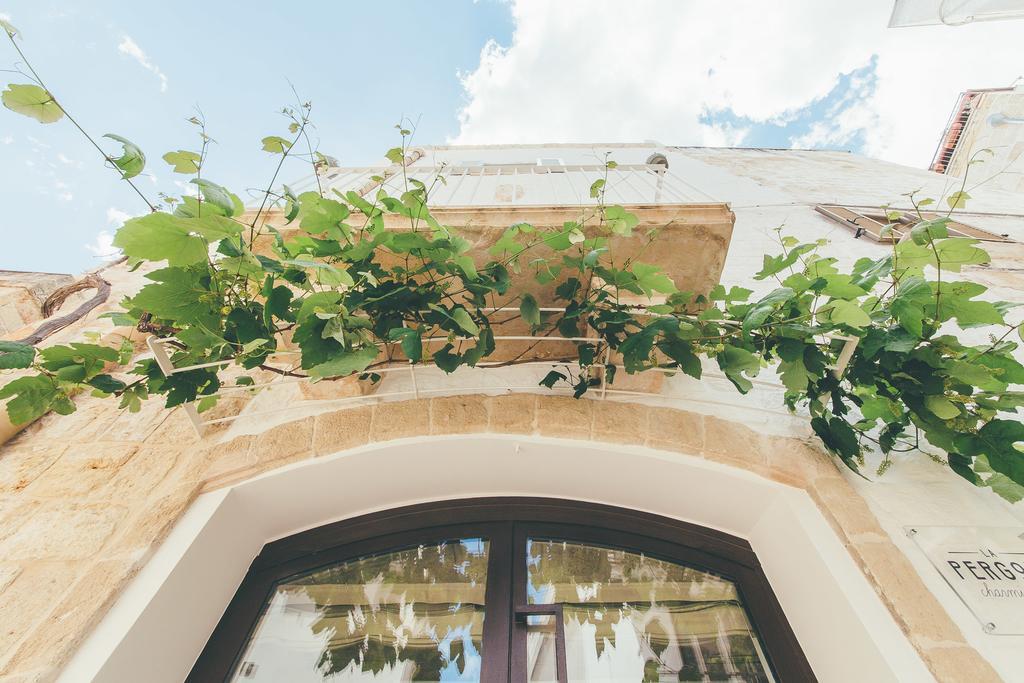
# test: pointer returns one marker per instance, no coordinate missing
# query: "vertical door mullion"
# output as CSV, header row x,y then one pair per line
x,y
518,660
498,605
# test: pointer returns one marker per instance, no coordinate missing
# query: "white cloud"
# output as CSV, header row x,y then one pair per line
x,y
7,139
67,161
603,70
129,47
117,217
103,246
65,196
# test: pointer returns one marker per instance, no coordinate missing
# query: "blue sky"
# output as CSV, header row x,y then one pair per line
x,y
683,72
364,66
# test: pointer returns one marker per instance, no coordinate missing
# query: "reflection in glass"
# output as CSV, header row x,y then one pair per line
x,y
631,618
410,615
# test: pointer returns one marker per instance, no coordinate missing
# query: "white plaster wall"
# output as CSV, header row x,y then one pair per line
x,y
771,188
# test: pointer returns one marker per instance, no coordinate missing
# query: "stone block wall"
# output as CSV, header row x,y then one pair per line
x,y
86,499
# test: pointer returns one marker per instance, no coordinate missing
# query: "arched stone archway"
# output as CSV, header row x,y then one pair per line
x,y
783,495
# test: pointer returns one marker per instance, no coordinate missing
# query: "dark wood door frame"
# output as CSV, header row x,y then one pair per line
x,y
506,522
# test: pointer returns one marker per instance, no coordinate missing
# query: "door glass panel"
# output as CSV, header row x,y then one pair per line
x,y
631,618
410,615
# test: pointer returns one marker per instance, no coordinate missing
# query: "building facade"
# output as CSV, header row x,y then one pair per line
x,y
984,139
474,526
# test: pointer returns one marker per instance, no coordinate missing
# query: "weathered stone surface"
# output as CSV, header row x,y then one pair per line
x,y
616,422
19,467
800,461
44,675
399,420
176,430
60,530
342,429
346,387
142,533
137,426
28,599
959,664
734,441
230,457
51,642
675,430
84,471
511,414
86,424
40,528
458,415
565,417
913,605
140,477
285,441
850,512
7,575
99,455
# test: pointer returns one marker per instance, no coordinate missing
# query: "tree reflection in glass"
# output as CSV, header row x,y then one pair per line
x,y
631,618
410,615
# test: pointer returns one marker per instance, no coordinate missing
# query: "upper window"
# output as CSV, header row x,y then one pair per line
x,y
881,226
517,591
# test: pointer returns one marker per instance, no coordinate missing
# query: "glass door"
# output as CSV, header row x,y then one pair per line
x,y
605,615
413,614
504,591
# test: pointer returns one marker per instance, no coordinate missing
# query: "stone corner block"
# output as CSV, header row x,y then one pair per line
x,y
342,429
511,413
289,440
458,415
400,419
565,417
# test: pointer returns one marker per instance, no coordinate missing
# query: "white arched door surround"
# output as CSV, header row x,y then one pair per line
x,y
163,619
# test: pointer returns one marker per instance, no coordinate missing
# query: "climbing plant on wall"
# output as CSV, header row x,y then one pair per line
x,y
320,271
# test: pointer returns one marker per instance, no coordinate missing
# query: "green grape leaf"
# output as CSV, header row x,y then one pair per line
x,y
776,264
106,384
956,252
847,313
465,321
838,437
551,379
8,27
411,340
217,195
620,221
345,363
14,355
32,101
31,397
957,200
736,362
652,279
942,407
183,161
276,144
180,241
180,295
529,311
1005,487
132,160
763,309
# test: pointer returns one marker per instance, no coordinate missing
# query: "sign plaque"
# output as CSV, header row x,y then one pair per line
x,y
985,568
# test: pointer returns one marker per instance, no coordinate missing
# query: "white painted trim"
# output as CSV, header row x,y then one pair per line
x,y
161,622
